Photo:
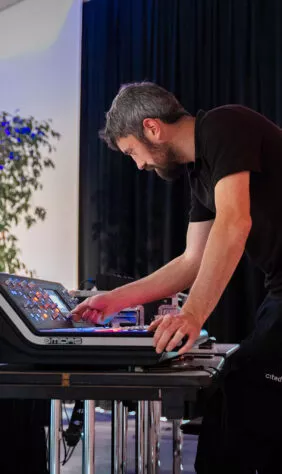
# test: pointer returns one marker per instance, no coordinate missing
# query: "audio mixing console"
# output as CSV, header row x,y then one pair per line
x,y
36,328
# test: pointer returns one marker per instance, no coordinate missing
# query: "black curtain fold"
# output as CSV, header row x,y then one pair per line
x,y
209,53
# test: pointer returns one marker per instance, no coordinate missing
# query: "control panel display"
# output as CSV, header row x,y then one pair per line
x,y
43,304
57,300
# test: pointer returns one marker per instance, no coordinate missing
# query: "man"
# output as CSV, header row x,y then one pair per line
x,y
234,159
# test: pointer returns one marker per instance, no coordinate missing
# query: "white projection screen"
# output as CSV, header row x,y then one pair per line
x,y
40,66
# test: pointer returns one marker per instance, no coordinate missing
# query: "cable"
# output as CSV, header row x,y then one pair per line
x,y
68,451
69,455
68,436
65,452
72,434
66,412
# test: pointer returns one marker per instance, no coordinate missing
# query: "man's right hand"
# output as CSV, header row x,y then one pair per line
x,y
95,309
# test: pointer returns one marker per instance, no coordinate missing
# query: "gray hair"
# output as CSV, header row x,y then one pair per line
x,y
134,103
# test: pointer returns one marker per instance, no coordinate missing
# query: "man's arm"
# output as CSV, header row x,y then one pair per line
x,y
224,248
225,245
177,275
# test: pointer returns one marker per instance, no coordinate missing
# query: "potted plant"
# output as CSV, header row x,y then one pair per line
x,y
25,148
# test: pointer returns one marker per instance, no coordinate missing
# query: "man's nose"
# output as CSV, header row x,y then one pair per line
x,y
140,166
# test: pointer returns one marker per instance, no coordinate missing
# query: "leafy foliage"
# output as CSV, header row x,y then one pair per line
x,y
25,149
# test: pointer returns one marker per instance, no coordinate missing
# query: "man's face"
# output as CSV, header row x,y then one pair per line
x,y
149,156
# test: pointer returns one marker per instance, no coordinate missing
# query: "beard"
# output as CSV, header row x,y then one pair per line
x,y
167,161
171,172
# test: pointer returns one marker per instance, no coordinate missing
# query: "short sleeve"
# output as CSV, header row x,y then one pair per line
x,y
198,212
231,142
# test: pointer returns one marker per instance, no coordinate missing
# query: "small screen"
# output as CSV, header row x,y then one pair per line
x,y
55,297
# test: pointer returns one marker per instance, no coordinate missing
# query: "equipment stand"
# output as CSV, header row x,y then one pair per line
x,y
124,438
154,438
177,437
142,437
88,457
119,437
55,436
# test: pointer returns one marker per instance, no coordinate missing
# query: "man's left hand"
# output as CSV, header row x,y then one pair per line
x,y
171,329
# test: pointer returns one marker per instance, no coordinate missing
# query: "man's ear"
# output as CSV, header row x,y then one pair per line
x,y
152,129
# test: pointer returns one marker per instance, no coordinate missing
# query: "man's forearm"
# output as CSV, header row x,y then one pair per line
x,y
223,251
177,275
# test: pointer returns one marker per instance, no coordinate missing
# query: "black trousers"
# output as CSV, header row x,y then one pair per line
x,y
242,425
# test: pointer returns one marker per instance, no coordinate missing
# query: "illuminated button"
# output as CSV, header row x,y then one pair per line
x,y
45,316
35,299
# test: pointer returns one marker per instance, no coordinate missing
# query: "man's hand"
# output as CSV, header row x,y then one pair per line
x,y
170,330
95,309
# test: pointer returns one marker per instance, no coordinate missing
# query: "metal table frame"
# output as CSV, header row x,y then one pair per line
x,y
150,390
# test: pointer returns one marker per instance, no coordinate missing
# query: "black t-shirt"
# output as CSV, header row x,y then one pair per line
x,y
231,139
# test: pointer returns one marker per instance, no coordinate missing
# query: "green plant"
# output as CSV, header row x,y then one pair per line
x,y
25,148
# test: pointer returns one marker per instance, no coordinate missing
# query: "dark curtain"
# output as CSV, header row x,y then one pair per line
x,y
207,52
